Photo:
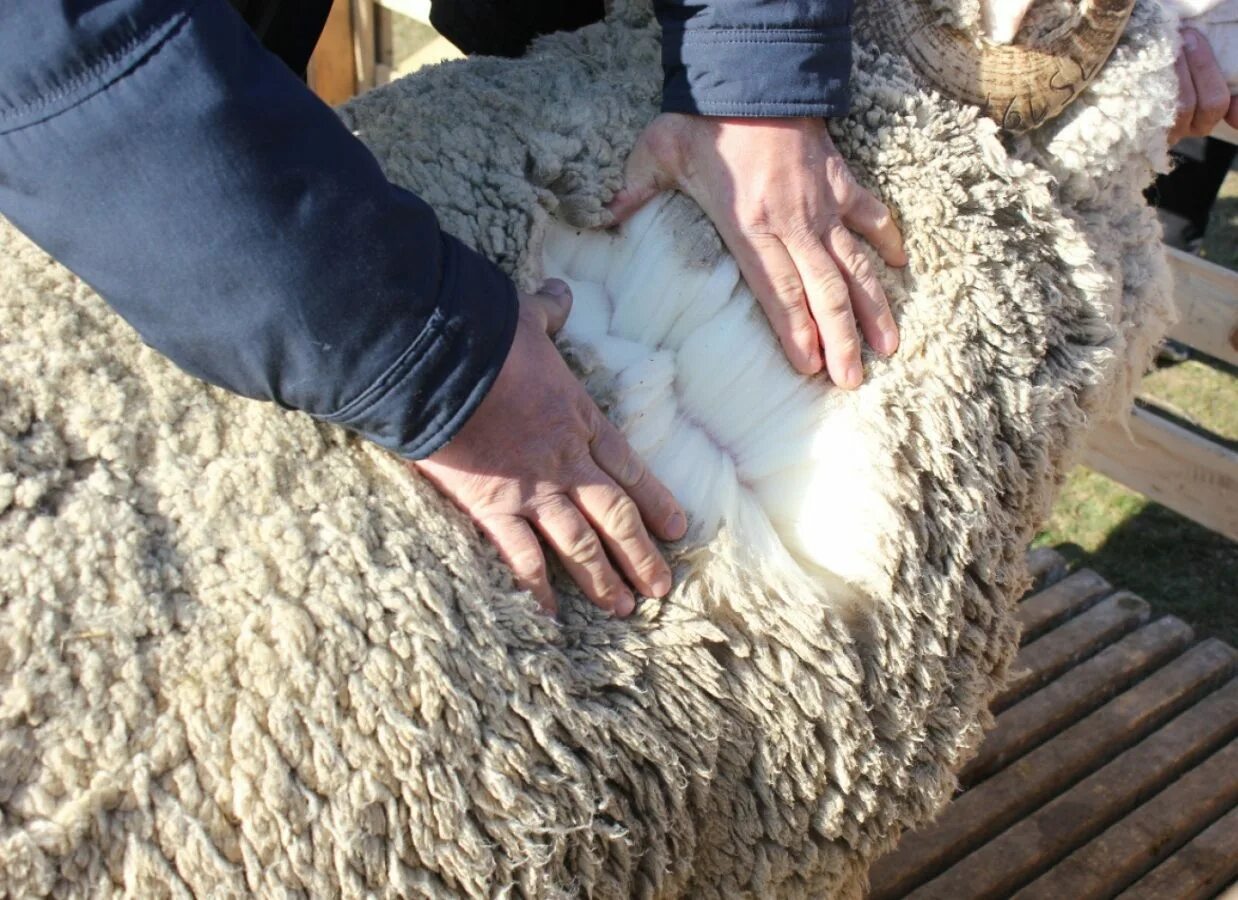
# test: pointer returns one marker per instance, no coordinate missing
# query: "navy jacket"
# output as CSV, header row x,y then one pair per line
x,y
183,170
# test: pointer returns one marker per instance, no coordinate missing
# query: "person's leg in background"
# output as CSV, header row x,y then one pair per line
x,y
1187,194
288,28
504,27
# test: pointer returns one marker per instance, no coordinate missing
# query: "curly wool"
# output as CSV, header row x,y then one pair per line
x,y
243,654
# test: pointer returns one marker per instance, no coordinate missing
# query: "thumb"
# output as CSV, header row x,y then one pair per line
x,y
550,305
643,179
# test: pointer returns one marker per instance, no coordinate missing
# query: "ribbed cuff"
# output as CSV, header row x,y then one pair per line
x,y
756,72
429,392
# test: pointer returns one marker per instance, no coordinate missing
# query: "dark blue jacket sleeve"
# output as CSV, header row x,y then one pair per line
x,y
157,150
756,57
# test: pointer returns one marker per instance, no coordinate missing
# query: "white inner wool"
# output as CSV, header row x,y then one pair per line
x,y
705,395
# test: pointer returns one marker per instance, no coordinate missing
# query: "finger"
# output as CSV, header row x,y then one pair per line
x,y
617,521
868,300
519,548
551,305
1186,101
870,218
615,457
575,542
1231,117
1211,91
830,302
645,175
621,510
770,273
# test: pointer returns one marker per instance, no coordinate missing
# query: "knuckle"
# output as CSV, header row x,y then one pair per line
x,y
571,455
856,263
838,173
527,564
839,320
802,231
803,331
833,288
622,519
757,228
628,469
582,547
788,294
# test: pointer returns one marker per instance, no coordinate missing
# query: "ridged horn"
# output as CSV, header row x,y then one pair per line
x,y
1020,87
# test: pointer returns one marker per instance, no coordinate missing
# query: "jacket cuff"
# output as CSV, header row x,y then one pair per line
x,y
459,352
756,72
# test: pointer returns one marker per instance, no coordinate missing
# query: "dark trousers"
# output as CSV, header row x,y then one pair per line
x,y
290,28
505,27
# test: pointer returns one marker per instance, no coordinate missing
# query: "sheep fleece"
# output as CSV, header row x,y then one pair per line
x,y
243,654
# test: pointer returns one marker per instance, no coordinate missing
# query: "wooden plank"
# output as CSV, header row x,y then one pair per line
x,y
1130,848
1173,466
1073,594
438,50
1014,858
1047,657
365,43
1196,871
982,812
1207,299
331,72
1046,566
1057,705
414,9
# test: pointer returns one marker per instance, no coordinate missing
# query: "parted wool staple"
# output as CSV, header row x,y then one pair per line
x,y
244,654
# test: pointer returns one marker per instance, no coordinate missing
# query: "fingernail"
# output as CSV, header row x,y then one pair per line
x,y
624,605
661,585
887,342
1191,38
854,376
555,287
676,526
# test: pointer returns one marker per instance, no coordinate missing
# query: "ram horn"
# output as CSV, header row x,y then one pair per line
x,y
1019,87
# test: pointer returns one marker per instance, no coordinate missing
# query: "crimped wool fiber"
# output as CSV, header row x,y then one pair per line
x,y
243,654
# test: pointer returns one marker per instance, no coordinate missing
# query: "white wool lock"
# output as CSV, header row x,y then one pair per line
x,y
691,358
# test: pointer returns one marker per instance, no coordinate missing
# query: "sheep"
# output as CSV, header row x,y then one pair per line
x,y
244,655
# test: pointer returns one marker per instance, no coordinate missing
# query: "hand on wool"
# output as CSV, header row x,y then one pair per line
x,y
539,457
1203,95
786,206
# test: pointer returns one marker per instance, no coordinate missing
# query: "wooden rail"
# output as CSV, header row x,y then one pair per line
x,y
1113,768
1207,296
1193,474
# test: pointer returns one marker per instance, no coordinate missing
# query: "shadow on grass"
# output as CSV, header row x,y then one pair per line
x,y
1179,567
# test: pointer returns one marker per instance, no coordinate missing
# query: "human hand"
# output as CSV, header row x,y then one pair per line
x,y
786,205
538,454
1203,96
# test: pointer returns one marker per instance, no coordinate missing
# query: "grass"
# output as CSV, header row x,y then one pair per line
x,y
1177,566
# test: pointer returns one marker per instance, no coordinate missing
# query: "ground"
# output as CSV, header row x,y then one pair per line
x,y
1177,566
